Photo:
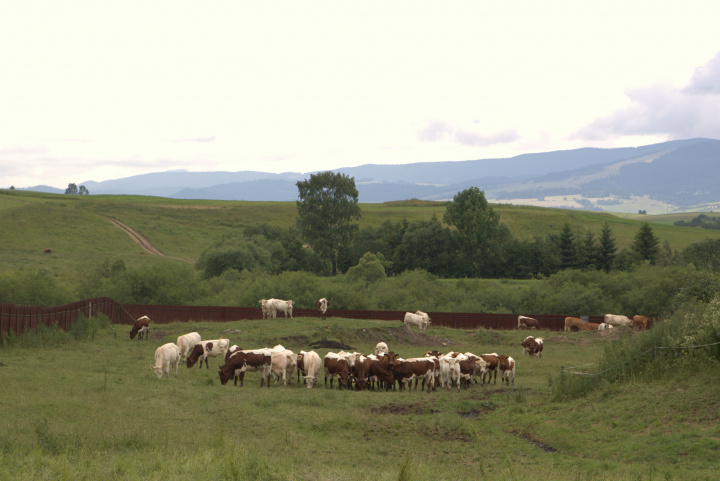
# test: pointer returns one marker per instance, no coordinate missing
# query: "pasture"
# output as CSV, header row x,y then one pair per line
x,y
94,409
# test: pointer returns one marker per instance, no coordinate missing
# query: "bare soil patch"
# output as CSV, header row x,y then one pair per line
x,y
140,240
404,409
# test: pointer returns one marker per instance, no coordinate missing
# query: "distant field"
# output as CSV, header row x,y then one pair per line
x,y
109,417
79,233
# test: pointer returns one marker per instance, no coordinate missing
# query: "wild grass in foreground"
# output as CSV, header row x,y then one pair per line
x,y
92,408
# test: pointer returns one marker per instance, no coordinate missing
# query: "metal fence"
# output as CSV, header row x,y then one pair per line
x,y
19,319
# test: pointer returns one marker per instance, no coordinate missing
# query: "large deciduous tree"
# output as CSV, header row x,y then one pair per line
x,y
327,207
481,235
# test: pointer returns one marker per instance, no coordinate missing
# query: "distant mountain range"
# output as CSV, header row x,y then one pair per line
x,y
681,173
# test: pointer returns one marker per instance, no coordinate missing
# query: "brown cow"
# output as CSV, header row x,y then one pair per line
x,y
592,326
47,250
241,361
574,323
417,368
492,364
639,322
525,322
337,366
379,369
140,328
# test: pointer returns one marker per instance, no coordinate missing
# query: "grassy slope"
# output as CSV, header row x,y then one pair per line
x,y
77,229
108,416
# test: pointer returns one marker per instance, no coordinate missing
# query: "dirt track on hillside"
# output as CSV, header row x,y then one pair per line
x,y
141,241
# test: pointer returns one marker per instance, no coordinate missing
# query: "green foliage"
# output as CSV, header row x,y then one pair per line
x,y
86,328
645,243
370,269
38,287
326,210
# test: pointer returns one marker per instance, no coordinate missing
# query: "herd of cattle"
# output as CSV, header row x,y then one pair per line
x,y
383,369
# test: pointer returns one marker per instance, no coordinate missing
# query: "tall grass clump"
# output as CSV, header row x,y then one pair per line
x,y
85,328
690,337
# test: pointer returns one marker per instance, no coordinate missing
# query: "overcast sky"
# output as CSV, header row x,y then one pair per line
x,y
96,90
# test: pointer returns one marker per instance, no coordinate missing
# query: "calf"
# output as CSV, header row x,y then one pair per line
x,y
141,328
204,349
525,322
506,365
166,356
186,342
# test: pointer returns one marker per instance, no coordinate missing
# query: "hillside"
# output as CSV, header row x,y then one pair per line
x,y
79,231
659,178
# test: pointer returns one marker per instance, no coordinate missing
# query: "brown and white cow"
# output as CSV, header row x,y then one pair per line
x,y
204,349
574,323
415,368
242,361
337,366
141,328
639,322
533,347
491,361
372,369
525,322
506,365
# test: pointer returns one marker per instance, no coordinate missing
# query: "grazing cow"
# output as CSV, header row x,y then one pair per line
x,y
617,321
166,356
491,361
284,306
186,342
141,328
204,349
592,326
268,310
416,320
506,365
639,322
602,326
47,250
533,347
241,361
312,365
525,322
381,348
574,323
336,365
322,306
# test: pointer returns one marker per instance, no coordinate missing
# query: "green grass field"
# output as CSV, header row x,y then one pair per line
x,y
94,410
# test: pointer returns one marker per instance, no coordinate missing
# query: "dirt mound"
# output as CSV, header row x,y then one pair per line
x,y
328,344
400,408
399,334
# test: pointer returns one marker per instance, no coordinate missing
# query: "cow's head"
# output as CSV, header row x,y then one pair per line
x,y
158,371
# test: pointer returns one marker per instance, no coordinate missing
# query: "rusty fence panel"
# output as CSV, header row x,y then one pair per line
x,y
18,319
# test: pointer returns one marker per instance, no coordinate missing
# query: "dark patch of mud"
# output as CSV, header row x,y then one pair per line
x,y
401,408
329,344
545,447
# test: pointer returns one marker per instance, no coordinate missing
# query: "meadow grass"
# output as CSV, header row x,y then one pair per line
x,y
92,408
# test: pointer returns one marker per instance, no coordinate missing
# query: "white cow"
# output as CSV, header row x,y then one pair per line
x,y
280,305
205,349
615,320
268,310
603,327
449,371
421,322
186,342
313,365
322,306
381,347
166,356
283,364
